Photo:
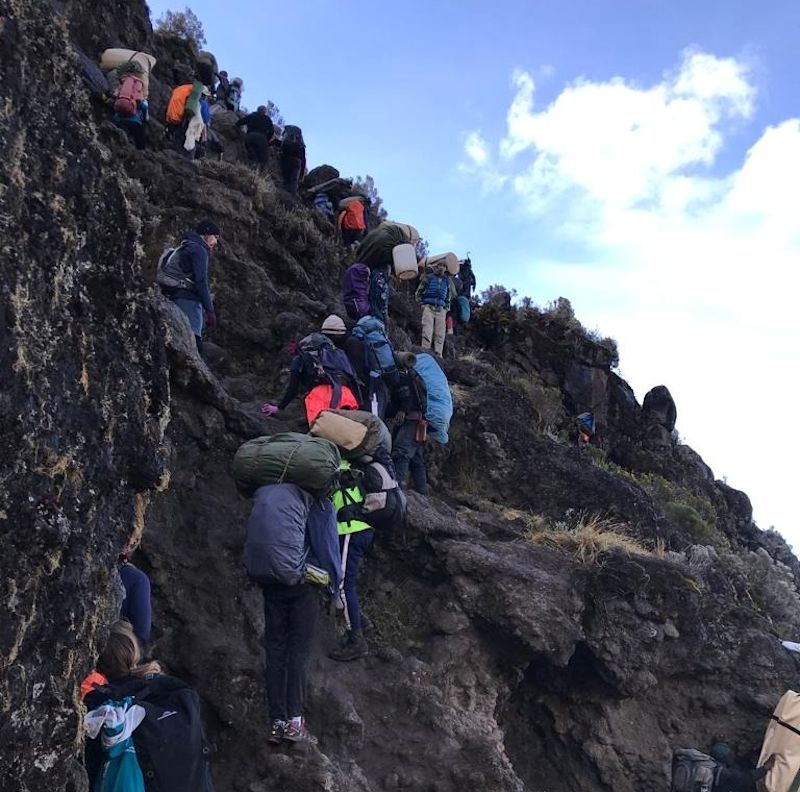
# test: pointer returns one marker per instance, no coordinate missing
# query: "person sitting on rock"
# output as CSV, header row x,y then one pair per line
x,y
355,539
407,408
194,253
260,131
305,374
732,780
435,292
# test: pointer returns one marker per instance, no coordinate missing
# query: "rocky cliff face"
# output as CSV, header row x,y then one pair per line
x,y
511,651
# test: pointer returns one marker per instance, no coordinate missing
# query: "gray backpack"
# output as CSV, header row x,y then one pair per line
x,y
693,771
170,274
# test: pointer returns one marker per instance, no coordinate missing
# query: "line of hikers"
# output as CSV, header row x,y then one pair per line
x,y
190,112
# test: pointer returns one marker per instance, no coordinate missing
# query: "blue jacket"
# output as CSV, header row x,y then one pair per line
x,y
194,261
136,607
323,540
434,290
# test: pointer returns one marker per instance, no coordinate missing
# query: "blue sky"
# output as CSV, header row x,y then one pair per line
x,y
640,157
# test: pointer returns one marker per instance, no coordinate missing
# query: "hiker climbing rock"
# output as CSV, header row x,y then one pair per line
x,y
355,539
407,407
466,276
131,111
234,94
694,770
434,293
355,290
291,544
323,371
293,158
223,87
352,222
136,606
260,131
142,724
183,276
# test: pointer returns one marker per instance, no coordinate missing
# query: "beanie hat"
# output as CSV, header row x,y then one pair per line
x,y
207,228
334,325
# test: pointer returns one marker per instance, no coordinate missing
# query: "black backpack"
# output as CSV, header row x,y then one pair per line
x,y
292,144
323,362
384,504
170,745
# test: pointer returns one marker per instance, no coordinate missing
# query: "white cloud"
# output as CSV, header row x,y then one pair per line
x,y
693,270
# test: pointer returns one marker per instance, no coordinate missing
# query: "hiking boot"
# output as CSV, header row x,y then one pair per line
x,y
297,732
354,648
276,732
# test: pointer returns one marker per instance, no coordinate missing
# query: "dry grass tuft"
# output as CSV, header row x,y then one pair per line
x,y
589,539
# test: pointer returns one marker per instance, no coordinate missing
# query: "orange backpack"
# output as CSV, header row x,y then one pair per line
x,y
353,219
177,104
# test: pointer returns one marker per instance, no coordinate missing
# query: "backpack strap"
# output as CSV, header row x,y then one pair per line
x,y
422,402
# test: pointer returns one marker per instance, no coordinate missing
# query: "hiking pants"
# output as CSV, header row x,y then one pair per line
x,y
194,313
353,547
408,454
290,620
257,146
434,327
135,131
290,171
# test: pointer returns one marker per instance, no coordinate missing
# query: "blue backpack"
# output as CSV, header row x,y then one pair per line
x,y
439,407
380,354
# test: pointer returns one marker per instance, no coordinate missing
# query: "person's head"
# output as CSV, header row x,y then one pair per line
x,y
262,109
440,266
723,753
122,655
210,233
224,74
334,328
238,82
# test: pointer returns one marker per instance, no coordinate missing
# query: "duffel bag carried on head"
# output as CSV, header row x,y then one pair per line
x,y
290,457
377,436
337,427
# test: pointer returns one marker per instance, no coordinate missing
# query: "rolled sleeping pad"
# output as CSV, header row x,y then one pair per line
x,y
405,359
292,458
111,58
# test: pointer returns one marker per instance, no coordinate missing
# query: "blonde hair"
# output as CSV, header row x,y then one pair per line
x,y
122,655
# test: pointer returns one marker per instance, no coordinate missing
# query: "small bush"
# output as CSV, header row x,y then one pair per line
x,y
589,539
688,518
546,401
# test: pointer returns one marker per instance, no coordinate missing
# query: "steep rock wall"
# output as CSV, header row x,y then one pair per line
x,y
83,402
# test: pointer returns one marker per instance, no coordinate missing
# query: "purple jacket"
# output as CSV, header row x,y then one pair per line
x,y
355,290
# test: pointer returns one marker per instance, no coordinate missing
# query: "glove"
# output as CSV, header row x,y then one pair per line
x,y
269,409
211,319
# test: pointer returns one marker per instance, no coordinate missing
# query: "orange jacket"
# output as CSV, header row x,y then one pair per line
x,y
353,217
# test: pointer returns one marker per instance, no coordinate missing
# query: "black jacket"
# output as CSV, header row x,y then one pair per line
x,y
258,122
